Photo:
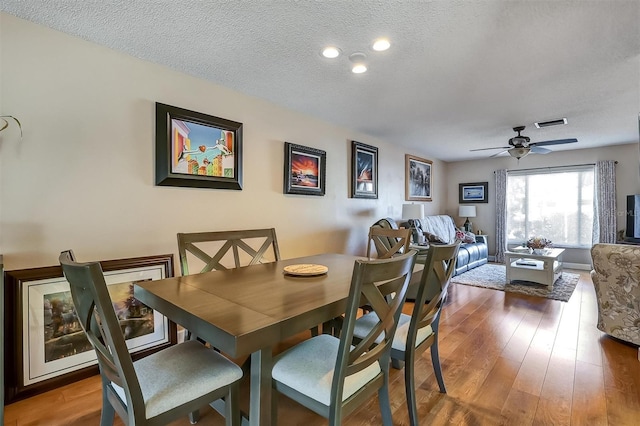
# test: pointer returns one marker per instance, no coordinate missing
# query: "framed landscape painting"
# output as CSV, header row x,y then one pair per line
x,y
472,193
47,347
304,170
197,150
418,178
364,170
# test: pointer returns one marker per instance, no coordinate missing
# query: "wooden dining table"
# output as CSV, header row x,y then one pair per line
x,y
248,310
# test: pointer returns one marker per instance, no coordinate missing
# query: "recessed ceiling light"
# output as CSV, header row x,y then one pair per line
x,y
381,44
330,52
359,68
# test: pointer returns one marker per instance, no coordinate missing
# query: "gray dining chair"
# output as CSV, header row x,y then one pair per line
x,y
227,249
388,242
419,331
330,376
159,388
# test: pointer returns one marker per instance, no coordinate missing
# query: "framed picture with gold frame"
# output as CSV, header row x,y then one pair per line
x,y
418,178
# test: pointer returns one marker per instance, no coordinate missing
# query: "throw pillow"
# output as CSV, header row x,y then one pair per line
x,y
469,237
432,238
459,235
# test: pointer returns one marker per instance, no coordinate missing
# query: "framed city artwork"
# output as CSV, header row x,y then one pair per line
x,y
304,170
418,178
364,170
473,193
46,346
197,150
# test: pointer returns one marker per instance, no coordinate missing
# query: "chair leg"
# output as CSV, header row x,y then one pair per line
x,y
397,363
410,388
194,416
232,406
108,413
385,402
274,406
435,360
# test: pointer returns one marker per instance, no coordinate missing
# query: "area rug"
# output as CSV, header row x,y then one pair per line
x,y
494,276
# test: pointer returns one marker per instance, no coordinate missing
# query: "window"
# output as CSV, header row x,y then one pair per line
x,y
555,203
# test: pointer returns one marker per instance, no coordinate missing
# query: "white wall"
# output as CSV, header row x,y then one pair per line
x,y
627,182
83,176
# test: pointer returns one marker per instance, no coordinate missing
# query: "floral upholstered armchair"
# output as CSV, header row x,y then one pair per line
x,y
616,277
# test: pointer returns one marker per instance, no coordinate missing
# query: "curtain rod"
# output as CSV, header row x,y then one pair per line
x,y
554,167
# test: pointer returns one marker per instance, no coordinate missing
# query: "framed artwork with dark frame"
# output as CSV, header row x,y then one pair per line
x,y
418,177
197,150
364,170
473,193
304,170
46,346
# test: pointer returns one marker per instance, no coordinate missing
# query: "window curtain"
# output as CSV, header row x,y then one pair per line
x,y
604,222
501,214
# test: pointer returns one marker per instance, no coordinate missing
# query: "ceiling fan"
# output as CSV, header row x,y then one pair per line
x,y
520,146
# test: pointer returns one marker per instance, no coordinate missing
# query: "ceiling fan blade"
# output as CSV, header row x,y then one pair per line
x,y
499,153
495,147
554,142
539,150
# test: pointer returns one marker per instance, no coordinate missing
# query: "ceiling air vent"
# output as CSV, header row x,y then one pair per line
x,y
550,123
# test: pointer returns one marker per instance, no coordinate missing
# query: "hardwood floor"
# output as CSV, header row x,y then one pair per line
x,y
507,359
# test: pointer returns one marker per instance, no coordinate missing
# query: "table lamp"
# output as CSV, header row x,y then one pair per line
x,y
467,211
412,211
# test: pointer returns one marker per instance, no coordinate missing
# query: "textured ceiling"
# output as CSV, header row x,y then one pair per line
x,y
459,74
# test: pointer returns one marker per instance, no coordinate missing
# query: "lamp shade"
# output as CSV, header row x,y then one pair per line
x,y
412,211
467,211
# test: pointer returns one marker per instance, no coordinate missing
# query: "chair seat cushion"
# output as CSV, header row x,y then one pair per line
x,y
366,322
308,368
179,374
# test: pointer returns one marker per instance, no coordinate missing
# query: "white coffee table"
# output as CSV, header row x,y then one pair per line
x,y
538,268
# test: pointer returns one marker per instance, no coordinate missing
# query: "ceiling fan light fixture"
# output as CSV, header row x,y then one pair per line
x,y
519,152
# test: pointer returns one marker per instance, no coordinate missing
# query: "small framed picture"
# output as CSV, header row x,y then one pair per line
x,y
364,170
418,178
473,193
304,170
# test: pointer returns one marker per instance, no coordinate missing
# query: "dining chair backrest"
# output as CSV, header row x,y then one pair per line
x,y
434,282
360,369
388,242
98,319
226,249
386,300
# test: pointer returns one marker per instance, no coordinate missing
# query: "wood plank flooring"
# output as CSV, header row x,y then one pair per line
x,y
507,359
